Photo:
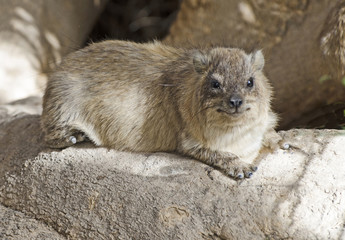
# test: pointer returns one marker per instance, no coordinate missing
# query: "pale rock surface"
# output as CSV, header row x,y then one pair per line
x,y
34,36
85,192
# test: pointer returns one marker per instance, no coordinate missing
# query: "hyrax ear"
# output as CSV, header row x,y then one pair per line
x,y
201,62
257,60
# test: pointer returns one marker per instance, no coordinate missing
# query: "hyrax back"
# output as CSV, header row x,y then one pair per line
x,y
210,104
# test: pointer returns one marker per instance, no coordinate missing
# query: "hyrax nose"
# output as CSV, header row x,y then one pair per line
x,y
236,101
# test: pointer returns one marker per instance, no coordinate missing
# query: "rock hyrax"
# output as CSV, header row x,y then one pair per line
x,y
210,104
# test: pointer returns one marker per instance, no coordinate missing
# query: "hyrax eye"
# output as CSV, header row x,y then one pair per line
x,y
215,84
250,82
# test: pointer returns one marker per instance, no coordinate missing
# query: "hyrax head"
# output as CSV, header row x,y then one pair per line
x,y
232,84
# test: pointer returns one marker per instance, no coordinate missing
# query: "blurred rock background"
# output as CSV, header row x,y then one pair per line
x,y
135,20
302,42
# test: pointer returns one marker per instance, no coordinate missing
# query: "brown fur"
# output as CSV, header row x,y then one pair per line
x,y
151,97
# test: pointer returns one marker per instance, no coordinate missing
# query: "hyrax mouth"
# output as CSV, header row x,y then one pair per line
x,y
233,111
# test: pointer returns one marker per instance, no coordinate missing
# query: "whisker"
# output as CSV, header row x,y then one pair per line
x,y
168,85
201,110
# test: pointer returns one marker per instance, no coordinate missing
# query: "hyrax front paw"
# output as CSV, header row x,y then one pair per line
x,y
237,169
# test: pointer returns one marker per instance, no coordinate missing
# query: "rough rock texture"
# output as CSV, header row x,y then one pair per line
x,y
303,42
16,225
86,192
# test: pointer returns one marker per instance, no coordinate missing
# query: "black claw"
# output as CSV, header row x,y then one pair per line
x,y
254,168
240,176
249,174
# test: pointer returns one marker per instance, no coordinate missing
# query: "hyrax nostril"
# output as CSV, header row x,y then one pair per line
x,y
235,101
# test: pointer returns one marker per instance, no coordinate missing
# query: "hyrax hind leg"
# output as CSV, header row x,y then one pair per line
x,y
62,137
